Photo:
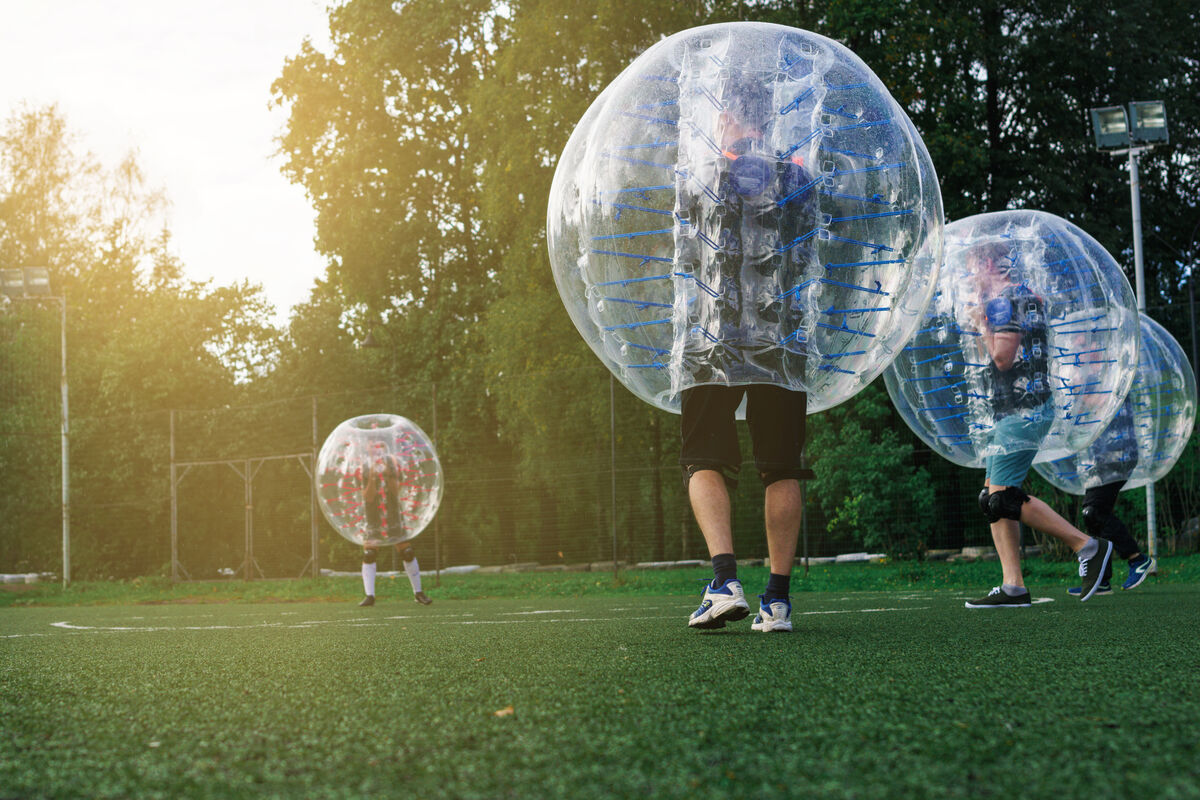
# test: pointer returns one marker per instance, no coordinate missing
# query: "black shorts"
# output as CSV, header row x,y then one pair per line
x,y
776,417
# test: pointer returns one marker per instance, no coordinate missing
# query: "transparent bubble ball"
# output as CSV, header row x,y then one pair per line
x,y
378,479
745,203
1035,279
1151,430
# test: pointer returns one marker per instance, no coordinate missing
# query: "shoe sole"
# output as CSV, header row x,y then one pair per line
x,y
772,627
999,605
729,612
1103,569
1149,571
1097,593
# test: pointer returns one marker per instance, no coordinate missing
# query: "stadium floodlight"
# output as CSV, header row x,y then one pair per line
x,y
12,283
1148,122
1110,126
1132,133
37,281
21,282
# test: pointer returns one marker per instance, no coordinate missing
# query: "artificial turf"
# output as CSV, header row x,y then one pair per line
x,y
876,694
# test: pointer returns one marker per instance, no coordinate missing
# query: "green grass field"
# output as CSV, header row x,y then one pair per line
x,y
601,691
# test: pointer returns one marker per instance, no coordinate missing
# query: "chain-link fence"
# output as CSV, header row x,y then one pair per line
x,y
581,472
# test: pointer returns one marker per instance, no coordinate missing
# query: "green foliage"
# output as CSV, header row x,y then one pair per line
x,y
866,484
140,340
426,139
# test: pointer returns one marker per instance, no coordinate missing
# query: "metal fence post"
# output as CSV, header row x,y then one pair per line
x,y
612,435
249,522
174,504
312,502
437,531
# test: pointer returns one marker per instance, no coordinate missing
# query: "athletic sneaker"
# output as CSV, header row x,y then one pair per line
x,y
719,605
1139,571
422,598
1105,587
996,598
773,616
369,600
1095,570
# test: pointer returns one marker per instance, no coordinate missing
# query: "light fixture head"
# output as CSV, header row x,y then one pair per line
x,y
12,283
37,281
1110,126
1148,122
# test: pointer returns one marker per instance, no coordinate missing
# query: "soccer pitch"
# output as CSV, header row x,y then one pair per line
x,y
875,695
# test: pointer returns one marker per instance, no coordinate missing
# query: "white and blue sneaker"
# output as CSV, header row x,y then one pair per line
x,y
724,603
1139,571
775,616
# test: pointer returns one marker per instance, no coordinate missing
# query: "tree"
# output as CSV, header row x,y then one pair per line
x,y
140,340
427,139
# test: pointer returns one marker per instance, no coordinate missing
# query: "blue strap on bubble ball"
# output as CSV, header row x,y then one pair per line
x,y
745,204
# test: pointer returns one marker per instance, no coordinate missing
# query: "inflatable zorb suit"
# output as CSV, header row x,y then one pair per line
x,y
1036,276
745,203
378,479
1150,430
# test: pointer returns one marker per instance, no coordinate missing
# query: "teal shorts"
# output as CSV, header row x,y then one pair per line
x,y
1009,469
1018,437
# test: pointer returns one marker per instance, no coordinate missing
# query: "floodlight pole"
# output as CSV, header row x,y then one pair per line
x,y
1139,272
66,447
1135,200
38,278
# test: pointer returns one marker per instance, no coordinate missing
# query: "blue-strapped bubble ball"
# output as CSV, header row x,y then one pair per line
x,y
379,481
1150,431
745,203
1036,279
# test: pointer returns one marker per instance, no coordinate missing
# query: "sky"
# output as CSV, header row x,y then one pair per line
x,y
187,84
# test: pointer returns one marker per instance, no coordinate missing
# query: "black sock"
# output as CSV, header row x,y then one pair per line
x,y
724,567
778,587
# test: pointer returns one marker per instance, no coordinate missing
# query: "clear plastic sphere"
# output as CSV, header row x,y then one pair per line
x,y
378,478
1058,314
1149,433
745,203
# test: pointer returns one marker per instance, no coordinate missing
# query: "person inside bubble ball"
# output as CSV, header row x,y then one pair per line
x,y
383,513
1115,457
1013,331
750,217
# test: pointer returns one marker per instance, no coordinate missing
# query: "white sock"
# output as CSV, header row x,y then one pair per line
x,y
369,578
414,574
1088,550
1012,590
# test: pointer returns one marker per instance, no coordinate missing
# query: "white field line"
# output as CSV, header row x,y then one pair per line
x,y
447,619
859,611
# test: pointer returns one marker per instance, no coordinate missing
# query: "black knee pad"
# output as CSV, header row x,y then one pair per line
x,y
369,556
1095,520
408,555
984,494
1006,504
